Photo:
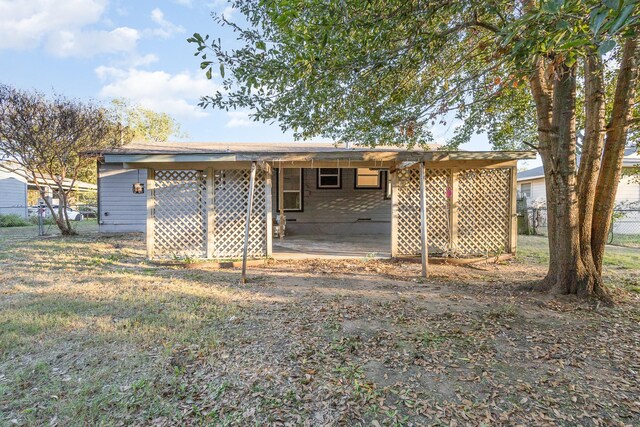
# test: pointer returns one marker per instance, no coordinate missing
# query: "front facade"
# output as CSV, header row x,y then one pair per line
x,y
196,197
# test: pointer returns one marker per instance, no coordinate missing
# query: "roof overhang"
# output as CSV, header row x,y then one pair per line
x,y
340,158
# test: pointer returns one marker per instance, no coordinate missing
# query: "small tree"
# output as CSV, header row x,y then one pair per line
x,y
47,138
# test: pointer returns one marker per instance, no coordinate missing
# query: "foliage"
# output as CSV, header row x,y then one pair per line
x,y
49,139
145,124
387,71
12,220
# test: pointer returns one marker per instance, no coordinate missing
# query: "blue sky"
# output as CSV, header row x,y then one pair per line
x,y
136,49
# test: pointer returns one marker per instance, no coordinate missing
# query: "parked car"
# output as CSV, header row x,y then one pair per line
x,y
73,214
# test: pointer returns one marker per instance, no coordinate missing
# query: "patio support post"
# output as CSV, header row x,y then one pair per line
x,y
252,182
423,223
151,202
281,201
513,210
268,207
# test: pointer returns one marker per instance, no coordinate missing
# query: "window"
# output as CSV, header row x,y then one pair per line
x,y
292,190
329,178
368,178
525,190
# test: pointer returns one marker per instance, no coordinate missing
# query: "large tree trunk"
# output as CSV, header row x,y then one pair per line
x,y
568,274
580,203
615,142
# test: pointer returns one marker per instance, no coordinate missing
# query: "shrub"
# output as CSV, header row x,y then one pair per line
x,y
13,220
48,220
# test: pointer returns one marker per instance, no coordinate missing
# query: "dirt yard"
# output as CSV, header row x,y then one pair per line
x,y
91,333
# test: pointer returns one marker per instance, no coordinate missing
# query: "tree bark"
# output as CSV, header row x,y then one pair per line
x,y
615,142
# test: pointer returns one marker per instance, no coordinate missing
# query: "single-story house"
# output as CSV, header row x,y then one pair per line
x,y
194,199
17,189
13,191
531,182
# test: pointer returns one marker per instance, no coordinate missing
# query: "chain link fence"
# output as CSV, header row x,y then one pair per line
x,y
26,222
625,230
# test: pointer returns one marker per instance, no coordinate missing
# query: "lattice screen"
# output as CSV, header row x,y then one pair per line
x,y
408,210
231,194
483,211
180,213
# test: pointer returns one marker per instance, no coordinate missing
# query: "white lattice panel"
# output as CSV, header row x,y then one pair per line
x,y
180,213
438,198
408,210
231,195
483,211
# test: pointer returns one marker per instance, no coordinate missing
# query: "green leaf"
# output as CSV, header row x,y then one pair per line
x,y
209,73
597,20
606,46
621,19
221,70
261,45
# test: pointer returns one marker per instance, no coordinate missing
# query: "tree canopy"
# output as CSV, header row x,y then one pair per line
x,y
386,71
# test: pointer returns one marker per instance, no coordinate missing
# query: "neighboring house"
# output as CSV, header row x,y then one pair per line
x,y
16,190
191,198
13,191
531,183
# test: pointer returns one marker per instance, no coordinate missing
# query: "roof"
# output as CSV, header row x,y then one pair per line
x,y
212,151
631,158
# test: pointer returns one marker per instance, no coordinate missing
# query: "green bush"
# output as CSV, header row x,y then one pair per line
x,y
13,220
48,220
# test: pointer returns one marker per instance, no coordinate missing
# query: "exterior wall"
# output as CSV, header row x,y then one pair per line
x,y
628,190
345,210
120,209
13,194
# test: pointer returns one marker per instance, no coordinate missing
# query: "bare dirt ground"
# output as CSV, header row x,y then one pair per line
x,y
90,333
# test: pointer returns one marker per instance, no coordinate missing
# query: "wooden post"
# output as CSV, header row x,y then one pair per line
x,y
513,210
151,207
423,223
394,213
252,182
269,208
210,243
453,210
281,201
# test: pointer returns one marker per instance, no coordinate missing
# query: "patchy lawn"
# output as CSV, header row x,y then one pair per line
x,y
92,334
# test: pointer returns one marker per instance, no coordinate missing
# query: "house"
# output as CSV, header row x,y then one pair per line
x,y
531,182
13,191
18,191
220,201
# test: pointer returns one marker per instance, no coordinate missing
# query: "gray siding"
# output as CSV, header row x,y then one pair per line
x,y
120,209
13,194
346,210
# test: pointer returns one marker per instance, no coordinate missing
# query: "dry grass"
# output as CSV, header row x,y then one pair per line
x,y
91,334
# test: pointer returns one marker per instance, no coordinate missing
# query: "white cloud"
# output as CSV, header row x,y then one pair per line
x,y
24,24
187,3
228,13
166,28
89,43
239,119
175,94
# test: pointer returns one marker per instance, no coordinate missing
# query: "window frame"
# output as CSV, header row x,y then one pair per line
x,y
355,181
301,191
328,187
530,191
387,185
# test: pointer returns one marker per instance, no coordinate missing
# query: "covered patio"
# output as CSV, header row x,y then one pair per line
x,y
226,201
